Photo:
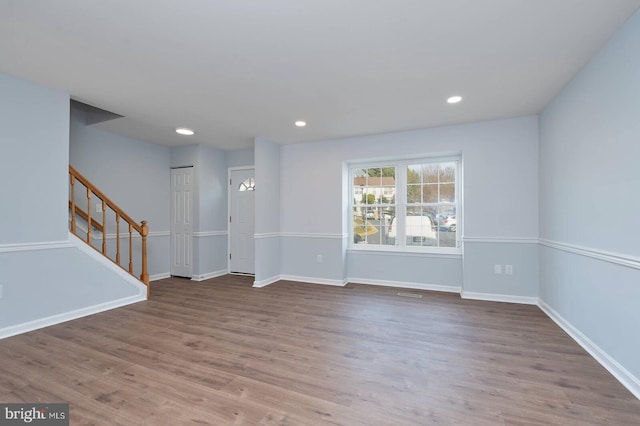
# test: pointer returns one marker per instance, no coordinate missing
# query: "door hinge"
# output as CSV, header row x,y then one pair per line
x,y
229,182
229,218
229,256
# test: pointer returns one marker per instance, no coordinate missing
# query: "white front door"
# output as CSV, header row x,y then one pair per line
x,y
182,222
241,221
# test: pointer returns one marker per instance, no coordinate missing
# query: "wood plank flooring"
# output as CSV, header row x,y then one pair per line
x,y
220,352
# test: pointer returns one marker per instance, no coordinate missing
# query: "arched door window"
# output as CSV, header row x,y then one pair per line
x,y
249,184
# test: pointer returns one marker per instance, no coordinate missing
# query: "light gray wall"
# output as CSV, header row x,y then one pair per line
x,y
306,265
267,210
500,203
53,282
212,210
213,189
589,181
40,281
406,268
33,142
182,156
480,258
134,174
240,158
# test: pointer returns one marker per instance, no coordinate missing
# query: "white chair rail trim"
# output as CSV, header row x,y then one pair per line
x,y
606,256
43,245
501,240
300,235
209,234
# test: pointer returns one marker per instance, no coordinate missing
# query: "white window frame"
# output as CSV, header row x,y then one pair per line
x,y
401,203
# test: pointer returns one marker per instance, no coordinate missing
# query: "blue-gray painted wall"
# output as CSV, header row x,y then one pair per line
x,y
34,144
589,185
267,210
240,158
500,168
42,282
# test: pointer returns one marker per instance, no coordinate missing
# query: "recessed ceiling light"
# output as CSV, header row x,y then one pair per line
x,y
300,123
184,131
454,99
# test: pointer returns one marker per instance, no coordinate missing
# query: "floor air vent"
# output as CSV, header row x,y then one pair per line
x,y
417,296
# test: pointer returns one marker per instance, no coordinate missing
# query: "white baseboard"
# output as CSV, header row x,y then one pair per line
x,y
623,375
490,297
342,283
314,280
405,284
264,283
162,276
68,316
209,275
308,280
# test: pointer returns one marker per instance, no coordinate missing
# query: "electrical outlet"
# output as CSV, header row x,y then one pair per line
x,y
497,269
508,269
319,258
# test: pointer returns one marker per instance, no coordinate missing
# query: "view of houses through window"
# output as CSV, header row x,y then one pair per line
x,y
406,204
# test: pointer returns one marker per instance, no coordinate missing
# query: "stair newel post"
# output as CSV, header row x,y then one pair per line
x,y
130,248
104,228
118,238
89,216
73,204
145,273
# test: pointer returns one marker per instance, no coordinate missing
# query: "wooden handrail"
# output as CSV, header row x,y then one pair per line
x,y
113,206
141,228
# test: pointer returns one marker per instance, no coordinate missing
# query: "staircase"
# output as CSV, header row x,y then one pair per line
x,y
91,226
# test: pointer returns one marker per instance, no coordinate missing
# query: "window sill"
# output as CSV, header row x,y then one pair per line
x,y
442,253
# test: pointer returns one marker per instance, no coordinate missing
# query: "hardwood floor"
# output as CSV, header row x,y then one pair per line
x,y
220,352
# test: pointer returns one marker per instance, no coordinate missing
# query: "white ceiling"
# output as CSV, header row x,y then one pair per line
x,y
233,70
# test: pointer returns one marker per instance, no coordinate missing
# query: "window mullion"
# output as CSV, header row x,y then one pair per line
x,y
401,205
457,193
352,204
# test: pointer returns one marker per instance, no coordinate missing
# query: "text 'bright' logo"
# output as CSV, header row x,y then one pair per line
x,y
26,416
34,414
